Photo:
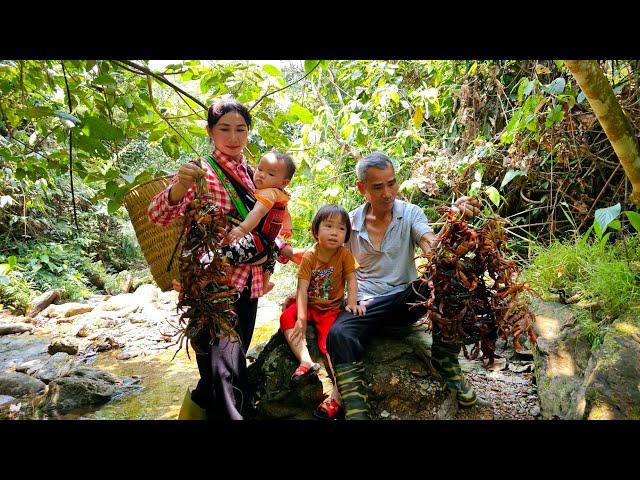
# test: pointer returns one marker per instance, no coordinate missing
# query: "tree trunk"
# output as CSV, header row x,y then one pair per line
x,y
610,115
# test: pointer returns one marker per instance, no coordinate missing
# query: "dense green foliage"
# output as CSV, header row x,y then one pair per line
x,y
604,277
517,133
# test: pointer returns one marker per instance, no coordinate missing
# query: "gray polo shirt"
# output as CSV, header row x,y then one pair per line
x,y
390,269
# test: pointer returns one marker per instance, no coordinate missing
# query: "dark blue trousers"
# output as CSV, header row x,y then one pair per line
x,y
350,333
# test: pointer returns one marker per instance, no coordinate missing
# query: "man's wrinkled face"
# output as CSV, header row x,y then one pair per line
x,y
379,188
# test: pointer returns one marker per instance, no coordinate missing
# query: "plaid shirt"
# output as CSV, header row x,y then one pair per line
x,y
163,213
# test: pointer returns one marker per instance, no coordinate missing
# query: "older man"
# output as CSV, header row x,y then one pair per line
x,y
385,234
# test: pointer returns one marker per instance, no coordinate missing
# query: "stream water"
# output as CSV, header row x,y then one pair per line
x,y
164,381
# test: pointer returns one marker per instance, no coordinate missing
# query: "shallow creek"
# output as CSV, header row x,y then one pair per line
x,y
164,381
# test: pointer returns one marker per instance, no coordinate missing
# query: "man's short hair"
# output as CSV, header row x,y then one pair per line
x,y
373,160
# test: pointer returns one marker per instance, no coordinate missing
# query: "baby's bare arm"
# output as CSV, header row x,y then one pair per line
x,y
249,223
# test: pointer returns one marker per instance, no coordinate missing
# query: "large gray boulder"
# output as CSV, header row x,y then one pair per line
x,y
400,385
84,387
17,384
58,365
611,388
560,359
16,350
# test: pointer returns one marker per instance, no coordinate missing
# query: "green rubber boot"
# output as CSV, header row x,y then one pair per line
x,y
353,389
190,410
444,358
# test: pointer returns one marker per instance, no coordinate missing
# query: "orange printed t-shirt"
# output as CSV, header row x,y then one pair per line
x,y
326,279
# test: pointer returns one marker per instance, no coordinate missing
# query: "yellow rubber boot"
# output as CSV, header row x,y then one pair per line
x,y
190,410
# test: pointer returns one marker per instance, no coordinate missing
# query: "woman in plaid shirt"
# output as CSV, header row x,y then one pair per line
x,y
223,388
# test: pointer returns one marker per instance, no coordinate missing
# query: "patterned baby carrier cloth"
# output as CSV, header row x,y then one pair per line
x,y
269,226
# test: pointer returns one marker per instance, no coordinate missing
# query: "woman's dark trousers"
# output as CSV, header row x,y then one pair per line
x,y
223,388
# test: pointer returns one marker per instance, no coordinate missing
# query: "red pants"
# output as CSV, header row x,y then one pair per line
x,y
322,319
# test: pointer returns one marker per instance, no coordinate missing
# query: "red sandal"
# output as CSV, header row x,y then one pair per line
x,y
303,374
329,409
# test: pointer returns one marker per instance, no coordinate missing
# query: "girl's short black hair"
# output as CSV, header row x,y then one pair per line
x,y
327,211
224,106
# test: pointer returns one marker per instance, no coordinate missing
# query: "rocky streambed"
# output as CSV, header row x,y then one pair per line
x,y
108,357
113,358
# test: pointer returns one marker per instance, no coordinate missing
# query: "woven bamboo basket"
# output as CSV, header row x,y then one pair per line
x,y
157,243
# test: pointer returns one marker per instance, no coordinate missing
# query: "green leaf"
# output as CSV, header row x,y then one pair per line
x,y
5,86
12,261
556,87
158,133
510,175
39,112
272,70
111,174
512,128
529,88
98,128
111,187
634,219
304,115
615,225
494,195
104,79
90,145
603,240
170,147
309,64
143,176
554,116
531,105
113,206
604,216
569,99
524,81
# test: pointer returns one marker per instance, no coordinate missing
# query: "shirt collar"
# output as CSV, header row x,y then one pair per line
x,y
230,162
